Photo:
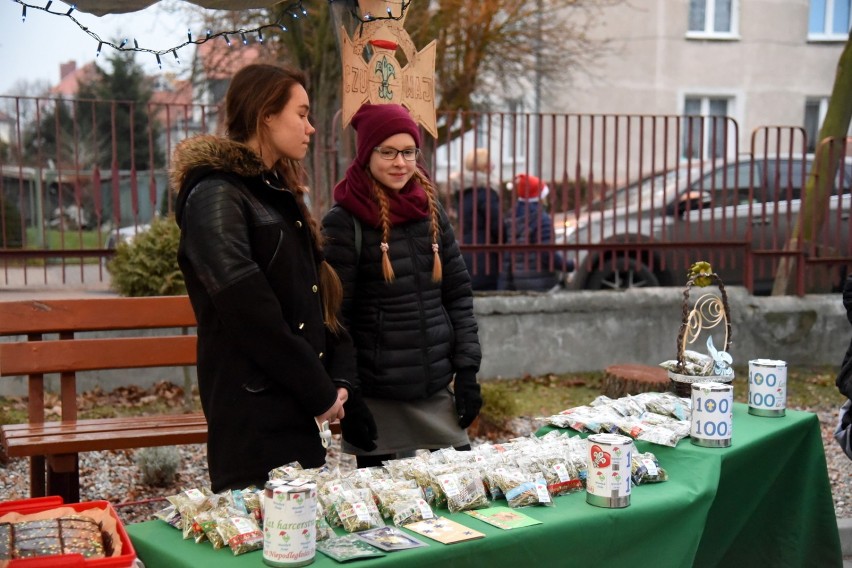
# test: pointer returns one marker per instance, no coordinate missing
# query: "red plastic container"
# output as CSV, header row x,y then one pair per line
x,y
126,559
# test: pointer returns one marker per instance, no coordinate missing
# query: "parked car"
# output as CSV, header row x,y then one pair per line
x,y
649,232
122,235
125,235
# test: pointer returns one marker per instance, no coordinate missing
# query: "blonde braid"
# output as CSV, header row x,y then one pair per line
x,y
384,218
437,267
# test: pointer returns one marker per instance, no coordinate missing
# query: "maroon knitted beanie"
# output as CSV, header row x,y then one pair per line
x,y
376,123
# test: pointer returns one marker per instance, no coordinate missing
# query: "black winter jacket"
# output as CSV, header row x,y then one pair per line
x,y
412,334
481,224
265,358
531,224
844,378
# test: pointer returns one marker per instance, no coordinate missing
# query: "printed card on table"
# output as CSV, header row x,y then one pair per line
x,y
347,547
389,538
444,530
503,517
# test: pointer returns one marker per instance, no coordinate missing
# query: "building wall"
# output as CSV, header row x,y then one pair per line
x,y
650,63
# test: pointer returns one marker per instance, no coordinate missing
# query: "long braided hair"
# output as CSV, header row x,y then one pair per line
x,y
435,222
257,91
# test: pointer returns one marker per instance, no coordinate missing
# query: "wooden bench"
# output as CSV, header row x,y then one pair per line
x,y
49,339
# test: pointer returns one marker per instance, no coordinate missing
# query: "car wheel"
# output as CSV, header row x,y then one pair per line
x,y
622,274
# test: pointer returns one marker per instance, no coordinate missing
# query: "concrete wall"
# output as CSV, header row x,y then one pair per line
x,y
587,331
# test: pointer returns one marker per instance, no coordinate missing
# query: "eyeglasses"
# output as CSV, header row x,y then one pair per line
x,y
387,153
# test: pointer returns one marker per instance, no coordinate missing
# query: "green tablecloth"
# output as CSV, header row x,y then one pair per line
x,y
764,501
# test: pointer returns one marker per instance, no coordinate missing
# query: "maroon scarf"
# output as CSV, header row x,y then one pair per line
x,y
355,194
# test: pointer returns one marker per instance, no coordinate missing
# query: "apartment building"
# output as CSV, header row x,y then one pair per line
x,y
759,62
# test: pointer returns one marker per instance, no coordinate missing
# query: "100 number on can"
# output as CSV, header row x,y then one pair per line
x,y
757,398
710,406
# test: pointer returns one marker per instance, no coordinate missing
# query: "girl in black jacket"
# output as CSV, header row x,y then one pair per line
x,y
407,299
273,359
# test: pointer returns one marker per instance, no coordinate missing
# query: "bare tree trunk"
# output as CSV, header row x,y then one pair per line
x,y
823,171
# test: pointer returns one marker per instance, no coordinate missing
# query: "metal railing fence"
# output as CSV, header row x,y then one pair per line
x,y
631,199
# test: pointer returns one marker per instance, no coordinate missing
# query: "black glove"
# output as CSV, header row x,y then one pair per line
x,y
468,397
358,427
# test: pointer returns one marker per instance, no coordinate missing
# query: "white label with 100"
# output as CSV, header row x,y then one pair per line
x,y
707,409
764,399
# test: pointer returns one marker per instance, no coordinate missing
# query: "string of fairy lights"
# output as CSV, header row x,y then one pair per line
x,y
292,11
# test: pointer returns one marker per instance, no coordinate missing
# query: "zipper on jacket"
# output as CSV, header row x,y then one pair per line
x,y
424,348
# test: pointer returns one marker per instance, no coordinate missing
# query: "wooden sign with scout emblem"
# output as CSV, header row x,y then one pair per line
x,y
381,79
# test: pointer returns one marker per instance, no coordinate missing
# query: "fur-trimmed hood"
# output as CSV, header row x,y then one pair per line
x,y
202,154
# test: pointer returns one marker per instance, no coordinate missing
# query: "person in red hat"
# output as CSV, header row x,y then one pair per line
x,y
530,223
407,298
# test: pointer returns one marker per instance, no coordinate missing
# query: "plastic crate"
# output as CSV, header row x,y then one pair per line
x,y
127,558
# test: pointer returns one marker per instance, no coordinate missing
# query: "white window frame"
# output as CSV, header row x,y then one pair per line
x,y
709,18
828,24
733,100
823,109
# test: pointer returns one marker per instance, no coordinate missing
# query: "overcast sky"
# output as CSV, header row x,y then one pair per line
x,y
34,49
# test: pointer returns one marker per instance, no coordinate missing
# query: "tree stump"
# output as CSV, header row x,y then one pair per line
x,y
624,379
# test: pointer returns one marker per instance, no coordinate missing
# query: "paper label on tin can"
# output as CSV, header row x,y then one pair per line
x,y
609,465
289,529
767,384
712,411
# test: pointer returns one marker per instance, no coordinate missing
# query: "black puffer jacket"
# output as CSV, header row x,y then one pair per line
x,y
844,378
531,224
412,334
481,224
265,358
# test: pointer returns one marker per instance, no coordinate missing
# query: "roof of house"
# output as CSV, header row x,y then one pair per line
x,y
221,61
71,77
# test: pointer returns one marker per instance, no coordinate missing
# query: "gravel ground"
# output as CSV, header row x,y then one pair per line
x,y
113,476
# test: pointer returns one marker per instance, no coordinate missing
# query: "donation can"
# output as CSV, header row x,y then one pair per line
x,y
608,480
767,387
289,523
712,414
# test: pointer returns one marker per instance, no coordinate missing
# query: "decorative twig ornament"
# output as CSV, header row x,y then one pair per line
x,y
708,312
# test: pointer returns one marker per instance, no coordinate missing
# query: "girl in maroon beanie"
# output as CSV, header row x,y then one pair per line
x,y
407,298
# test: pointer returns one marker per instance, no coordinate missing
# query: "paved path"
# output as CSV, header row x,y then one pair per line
x,y
53,281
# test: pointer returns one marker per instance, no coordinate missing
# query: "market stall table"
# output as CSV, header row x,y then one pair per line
x,y
763,501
